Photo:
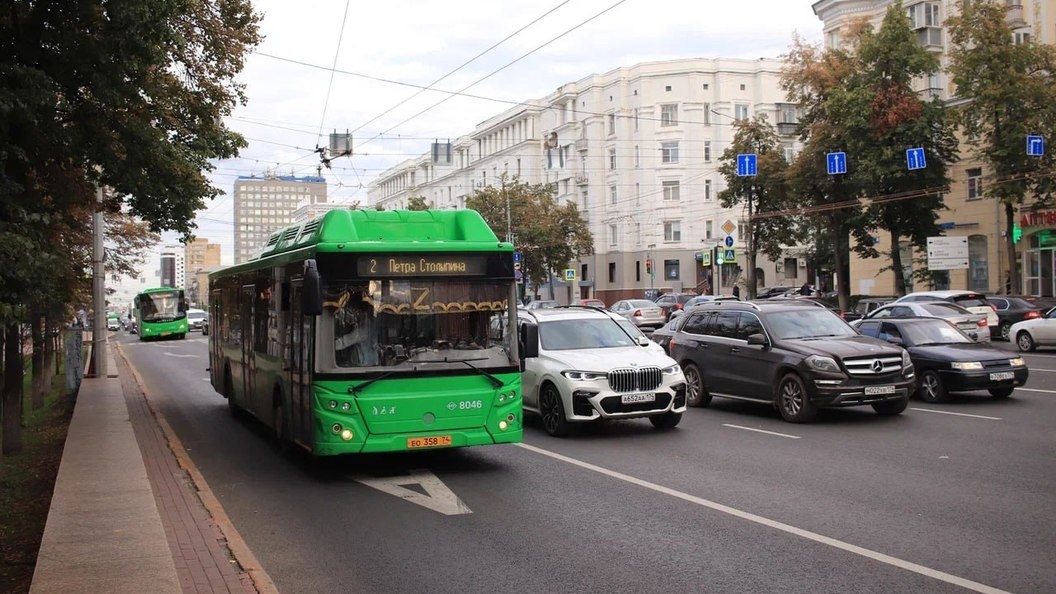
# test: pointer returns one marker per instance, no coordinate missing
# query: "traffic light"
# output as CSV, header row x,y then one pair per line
x,y
648,265
718,255
1017,233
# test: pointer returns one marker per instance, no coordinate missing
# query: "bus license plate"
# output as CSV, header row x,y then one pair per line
x,y
166,333
1003,375
632,398
874,390
433,441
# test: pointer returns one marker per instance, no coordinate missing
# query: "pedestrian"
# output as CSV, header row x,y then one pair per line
x,y
805,289
737,292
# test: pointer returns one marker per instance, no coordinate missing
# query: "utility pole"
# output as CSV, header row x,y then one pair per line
x,y
98,288
509,224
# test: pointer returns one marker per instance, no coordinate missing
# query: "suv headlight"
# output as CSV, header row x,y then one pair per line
x,y
966,365
674,369
583,376
906,361
820,363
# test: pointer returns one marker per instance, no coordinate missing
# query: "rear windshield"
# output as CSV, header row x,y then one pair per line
x,y
942,309
971,301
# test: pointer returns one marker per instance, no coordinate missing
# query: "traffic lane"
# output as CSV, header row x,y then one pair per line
x,y
908,486
530,528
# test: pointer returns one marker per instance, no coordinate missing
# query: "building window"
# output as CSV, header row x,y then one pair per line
x,y
978,268
638,234
668,152
788,152
612,272
707,190
670,190
672,231
1021,37
705,114
635,119
740,111
707,151
742,87
612,158
709,229
637,156
669,114
612,235
612,195
612,124
975,183
671,269
637,194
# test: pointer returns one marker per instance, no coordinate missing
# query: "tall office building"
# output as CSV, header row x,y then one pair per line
x,y
172,266
265,204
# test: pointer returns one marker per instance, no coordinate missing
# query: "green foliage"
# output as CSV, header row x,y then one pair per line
x,y
548,234
418,203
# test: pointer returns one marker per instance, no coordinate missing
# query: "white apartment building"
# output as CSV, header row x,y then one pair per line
x,y
265,204
638,150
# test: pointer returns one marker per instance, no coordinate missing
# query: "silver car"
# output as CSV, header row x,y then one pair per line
x,y
640,311
974,325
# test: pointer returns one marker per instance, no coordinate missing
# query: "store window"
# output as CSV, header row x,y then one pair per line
x,y
978,265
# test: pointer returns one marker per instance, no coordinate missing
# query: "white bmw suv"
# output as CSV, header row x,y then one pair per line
x,y
581,365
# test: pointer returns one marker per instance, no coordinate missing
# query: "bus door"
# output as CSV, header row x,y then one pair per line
x,y
249,364
300,376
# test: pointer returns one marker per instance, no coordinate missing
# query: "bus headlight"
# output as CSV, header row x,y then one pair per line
x,y
346,434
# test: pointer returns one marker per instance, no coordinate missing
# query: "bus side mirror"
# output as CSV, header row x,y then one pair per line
x,y
312,292
530,338
183,306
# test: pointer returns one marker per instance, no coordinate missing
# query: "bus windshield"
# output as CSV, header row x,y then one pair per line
x,y
414,324
160,307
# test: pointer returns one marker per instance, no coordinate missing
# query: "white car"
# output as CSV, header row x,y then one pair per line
x,y
1030,334
970,300
581,365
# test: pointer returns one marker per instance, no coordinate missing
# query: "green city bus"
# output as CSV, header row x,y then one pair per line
x,y
372,331
160,313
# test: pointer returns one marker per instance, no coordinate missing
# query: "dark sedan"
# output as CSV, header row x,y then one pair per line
x,y
1012,309
662,335
947,360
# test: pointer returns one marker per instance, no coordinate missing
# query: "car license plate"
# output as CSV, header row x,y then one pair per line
x,y
873,390
433,441
632,398
1003,375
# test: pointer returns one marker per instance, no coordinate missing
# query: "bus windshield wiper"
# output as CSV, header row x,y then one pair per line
x,y
495,382
356,389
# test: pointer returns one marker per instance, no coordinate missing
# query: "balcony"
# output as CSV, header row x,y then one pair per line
x,y
787,128
1015,16
930,38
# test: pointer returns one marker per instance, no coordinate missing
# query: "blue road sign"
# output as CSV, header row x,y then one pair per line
x,y
746,165
729,255
915,158
729,241
1035,146
516,256
837,163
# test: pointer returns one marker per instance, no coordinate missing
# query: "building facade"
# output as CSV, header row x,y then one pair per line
x,y
265,204
173,267
968,214
199,255
637,149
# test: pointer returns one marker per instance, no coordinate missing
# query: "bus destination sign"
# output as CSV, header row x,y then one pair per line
x,y
422,265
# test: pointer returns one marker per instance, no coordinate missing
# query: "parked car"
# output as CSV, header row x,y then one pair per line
x,y
1012,309
640,311
970,300
542,304
768,292
581,366
701,300
865,307
973,324
591,303
1030,334
946,360
672,302
791,356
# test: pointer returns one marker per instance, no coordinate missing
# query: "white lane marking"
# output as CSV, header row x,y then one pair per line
x,y
946,412
437,498
820,538
168,354
1036,390
1048,370
762,431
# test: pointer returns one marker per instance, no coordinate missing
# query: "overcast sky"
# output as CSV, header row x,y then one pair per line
x,y
318,70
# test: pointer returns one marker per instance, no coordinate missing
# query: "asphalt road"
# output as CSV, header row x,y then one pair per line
x,y
944,498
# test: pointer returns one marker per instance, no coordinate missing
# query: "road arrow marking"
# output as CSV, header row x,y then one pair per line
x,y
437,496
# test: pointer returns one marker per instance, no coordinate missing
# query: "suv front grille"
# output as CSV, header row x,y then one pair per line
x,y
867,366
630,379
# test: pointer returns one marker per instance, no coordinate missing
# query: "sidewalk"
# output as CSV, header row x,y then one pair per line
x,y
125,516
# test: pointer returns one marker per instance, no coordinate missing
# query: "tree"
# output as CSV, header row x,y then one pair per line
x,y
418,203
904,202
549,235
763,195
1007,91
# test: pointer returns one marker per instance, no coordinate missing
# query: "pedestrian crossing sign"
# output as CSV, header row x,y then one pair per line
x,y
729,255
570,274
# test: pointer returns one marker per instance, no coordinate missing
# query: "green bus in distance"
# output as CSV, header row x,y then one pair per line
x,y
372,331
160,313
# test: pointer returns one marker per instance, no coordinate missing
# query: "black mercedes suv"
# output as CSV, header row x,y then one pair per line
x,y
796,357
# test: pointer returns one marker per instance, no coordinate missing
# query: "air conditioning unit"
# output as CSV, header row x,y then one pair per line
x,y
802,263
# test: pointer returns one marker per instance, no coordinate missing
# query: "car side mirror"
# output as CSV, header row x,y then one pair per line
x,y
312,290
643,341
757,339
530,335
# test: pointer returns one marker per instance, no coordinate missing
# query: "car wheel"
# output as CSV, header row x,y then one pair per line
x,y
1025,342
667,420
793,402
1006,330
696,393
1001,392
553,412
931,389
891,407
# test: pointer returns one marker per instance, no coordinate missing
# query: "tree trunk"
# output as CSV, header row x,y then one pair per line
x,y
3,376
37,383
12,391
843,276
896,265
1010,246
49,352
